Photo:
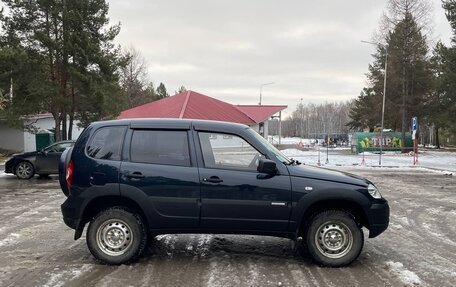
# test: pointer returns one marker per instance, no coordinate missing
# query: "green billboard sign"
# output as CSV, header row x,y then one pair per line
x,y
371,141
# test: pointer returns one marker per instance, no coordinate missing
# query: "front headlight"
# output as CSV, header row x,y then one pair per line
x,y
373,191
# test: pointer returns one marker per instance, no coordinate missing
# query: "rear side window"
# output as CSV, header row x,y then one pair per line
x,y
106,143
160,147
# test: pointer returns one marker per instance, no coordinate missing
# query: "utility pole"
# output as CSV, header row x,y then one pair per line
x,y
261,88
302,118
383,100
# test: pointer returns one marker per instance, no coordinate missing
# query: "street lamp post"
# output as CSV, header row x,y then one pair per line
x,y
383,100
302,118
327,144
261,88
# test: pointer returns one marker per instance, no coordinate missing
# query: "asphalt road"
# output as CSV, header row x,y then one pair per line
x,y
419,248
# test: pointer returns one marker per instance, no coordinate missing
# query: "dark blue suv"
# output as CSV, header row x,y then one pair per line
x,y
134,179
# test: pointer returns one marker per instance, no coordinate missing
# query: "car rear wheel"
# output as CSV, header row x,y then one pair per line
x,y
24,170
116,236
334,238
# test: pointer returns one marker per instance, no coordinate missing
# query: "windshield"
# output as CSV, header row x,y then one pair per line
x,y
279,155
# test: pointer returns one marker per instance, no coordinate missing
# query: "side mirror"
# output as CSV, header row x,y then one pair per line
x,y
267,166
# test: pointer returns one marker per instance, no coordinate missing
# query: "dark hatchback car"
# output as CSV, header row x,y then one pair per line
x,y
135,179
43,162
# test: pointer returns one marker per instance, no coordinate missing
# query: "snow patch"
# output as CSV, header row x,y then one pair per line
x,y
169,242
405,275
435,211
204,244
60,278
3,174
441,237
396,226
10,239
404,220
436,162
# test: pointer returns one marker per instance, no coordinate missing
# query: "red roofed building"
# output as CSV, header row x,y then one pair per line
x,y
193,105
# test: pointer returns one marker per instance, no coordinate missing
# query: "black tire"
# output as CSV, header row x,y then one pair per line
x,y
116,236
24,170
334,238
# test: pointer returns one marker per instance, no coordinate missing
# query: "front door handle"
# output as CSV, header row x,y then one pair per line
x,y
134,175
213,179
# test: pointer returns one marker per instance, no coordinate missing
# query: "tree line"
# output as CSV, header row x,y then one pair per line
x,y
316,120
59,56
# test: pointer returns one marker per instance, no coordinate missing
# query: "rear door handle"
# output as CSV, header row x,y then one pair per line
x,y
213,179
134,175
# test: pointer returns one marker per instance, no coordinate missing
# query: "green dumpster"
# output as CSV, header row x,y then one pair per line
x,y
43,139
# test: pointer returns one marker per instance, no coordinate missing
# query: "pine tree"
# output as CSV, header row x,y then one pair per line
x,y
69,47
161,91
409,76
441,104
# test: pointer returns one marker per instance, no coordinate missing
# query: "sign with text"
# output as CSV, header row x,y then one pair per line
x,y
391,141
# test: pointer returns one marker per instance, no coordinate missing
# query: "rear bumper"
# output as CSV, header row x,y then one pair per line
x,y
378,218
70,212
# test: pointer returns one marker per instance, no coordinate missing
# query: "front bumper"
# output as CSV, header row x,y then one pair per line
x,y
9,166
378,218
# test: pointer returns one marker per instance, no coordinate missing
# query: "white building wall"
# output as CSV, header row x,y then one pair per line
x,y
256,128
266,129
48,124
11,139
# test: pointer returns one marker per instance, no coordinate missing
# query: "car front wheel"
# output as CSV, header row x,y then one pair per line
x,y
116,236
334,238
24,170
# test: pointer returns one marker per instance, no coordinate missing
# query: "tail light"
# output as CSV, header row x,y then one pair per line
x,y
69,175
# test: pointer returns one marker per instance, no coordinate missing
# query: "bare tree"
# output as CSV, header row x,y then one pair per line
x,y
318,121
396,12
134,78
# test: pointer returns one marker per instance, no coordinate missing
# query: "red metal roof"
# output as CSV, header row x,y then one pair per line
x,y
193,105
260,113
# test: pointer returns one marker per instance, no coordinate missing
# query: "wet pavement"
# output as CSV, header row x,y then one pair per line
x,y
419,248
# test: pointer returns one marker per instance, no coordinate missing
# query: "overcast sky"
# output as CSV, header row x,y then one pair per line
x,y
227,49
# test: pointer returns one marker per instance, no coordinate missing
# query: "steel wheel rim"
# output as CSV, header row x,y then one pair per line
x,y
24,170
334,239
114,237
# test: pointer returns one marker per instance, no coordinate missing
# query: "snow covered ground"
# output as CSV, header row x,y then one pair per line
x,y
418,248
441,160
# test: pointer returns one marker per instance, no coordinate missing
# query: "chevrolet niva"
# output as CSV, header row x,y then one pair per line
x,y
135,179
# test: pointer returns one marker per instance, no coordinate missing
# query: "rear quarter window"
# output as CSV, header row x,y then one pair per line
x,y
106,143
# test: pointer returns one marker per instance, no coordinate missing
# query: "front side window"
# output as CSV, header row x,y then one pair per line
x,y
228,152
106,143
160,147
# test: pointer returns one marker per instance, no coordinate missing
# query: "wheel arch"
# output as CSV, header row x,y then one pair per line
x,y
98,204
350,206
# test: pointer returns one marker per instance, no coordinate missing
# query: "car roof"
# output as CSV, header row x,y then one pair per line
x,y
171,124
